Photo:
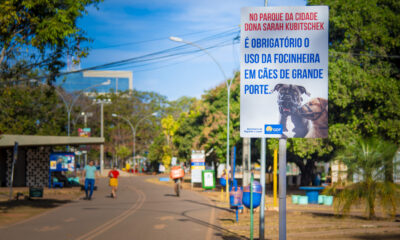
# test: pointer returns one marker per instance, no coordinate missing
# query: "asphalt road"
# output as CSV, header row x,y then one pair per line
x,y
142,211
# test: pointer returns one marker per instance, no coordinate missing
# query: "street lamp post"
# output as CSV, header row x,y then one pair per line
x,y
134,136
228,88
69,106
69,110
101,102
134,129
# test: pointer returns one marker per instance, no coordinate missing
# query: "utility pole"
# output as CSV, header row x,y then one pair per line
x,y
102,136
102,102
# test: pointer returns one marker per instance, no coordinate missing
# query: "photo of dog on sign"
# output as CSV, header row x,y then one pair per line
x,y
316,111
298,119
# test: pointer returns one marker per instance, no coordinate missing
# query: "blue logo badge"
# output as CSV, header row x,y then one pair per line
x,y
273,129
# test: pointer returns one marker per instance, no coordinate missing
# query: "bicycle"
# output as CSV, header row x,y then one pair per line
x,y
177,186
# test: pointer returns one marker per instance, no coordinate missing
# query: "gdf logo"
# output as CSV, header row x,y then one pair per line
x,y
273,129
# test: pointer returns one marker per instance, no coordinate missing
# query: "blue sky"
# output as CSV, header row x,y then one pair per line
x,y
123,29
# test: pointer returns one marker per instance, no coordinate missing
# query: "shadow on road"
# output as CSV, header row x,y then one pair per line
x,y
220,231
352,216
36,203
210,205
170,195
387,236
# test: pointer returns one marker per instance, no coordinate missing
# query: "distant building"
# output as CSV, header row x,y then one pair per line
x,y
119,81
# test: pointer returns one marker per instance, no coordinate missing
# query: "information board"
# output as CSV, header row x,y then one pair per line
x,y
62,161
284,72
198,164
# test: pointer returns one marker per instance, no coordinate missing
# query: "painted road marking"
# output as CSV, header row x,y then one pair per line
x,y
116,220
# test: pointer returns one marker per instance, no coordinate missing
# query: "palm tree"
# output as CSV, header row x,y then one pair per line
x,y
367,158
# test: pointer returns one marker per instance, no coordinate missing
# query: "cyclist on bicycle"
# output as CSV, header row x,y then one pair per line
x,y
177,175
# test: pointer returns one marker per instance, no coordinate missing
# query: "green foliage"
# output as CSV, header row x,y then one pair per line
x,y
176,128
188,134
169,127
137,107
37,35
367,158
156,152
214,108
29,110
364,89
367,193
123,151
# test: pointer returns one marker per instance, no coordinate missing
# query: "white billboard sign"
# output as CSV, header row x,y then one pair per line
x,y
198,164
284,72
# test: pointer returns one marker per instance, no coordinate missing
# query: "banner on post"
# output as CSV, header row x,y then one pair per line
x,y
84,132
198,164
284,72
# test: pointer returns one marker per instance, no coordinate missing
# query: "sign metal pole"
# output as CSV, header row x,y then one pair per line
x,y
262,179
282,189
102,136
262,182
275,184
251,206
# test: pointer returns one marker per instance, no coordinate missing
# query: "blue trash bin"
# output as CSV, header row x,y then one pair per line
x,y
257,192
222,181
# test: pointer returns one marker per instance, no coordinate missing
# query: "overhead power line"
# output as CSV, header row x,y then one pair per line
x,y
159,39
159,55
220,39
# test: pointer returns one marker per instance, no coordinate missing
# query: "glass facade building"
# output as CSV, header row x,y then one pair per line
x,y
90,81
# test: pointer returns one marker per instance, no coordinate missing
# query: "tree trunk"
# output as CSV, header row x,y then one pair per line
x,y
371,206
371,197
307,171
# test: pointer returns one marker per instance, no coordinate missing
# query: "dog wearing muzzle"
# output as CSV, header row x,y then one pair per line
x,y
316,110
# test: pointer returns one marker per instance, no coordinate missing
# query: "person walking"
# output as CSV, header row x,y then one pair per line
x,y
113,175
90,172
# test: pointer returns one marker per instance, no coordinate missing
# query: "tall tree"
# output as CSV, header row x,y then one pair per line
x,y
187,135
30,110
214,108
136,107
37,35
364,76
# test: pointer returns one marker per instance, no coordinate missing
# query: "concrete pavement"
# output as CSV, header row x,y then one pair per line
x,y
142,211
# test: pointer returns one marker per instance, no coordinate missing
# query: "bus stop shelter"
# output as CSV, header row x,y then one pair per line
x,y
32,166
